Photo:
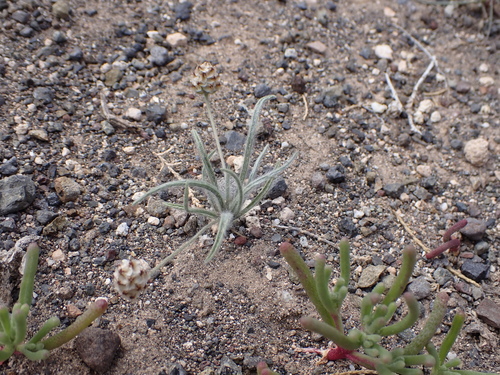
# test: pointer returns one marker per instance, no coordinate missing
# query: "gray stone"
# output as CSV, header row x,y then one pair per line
x,y
318,181
27,32
45,216
21,16
156,113
97,348
43,94
336,174
420,288
283,107
442,276
112,77
278,189
348,227
234,140
60,9
262,90
157,208
489,312
394,190
482,247
9,167
159,56
176,369
370,276
183,11
228,367
16,193
367,53
76,54
8,225
474,230
476,271
59,37
332,95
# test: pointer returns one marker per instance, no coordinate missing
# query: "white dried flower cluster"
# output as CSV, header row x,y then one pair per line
x,y
206,79
131,277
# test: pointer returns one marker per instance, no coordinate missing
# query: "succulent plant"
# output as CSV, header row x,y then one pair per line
x,y
363,345
13,326
234,193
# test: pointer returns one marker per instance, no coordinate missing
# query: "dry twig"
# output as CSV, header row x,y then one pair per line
x,y
307,233
304,97
164,164
115,120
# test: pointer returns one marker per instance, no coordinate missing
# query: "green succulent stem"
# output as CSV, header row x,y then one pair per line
x,y
306,279
431,325
95,310
5,322
48,326
28,281
405,323
407,266
329,332
451,336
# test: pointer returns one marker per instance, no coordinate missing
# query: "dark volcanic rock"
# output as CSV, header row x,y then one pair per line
x,y
16,193
97,348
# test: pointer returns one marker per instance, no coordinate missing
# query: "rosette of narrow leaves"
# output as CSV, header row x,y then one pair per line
x,y
231,195
13,326
363,345
131,277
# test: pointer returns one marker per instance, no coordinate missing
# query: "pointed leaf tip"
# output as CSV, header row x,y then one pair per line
x,y
286,247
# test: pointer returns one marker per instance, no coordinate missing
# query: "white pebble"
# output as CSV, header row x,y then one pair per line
x,y
303,241
177,39
106,67
418,117
383,51
435,116
129,150
358,214
122,229
483,68
424,170
153,221
425,106
291,53
287,214
486,81
378,107
133,113
476,152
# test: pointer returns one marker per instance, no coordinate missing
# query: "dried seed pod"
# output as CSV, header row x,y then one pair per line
x,y
131,277
206,79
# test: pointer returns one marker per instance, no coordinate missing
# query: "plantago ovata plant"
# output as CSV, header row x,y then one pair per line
x,y
13,327
234,193
363,345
